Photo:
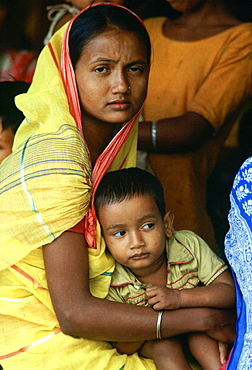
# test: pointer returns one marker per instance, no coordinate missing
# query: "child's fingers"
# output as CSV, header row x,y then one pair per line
x,y
151,291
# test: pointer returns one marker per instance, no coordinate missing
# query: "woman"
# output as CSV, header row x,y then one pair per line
x,y
197,89
238,249
54,272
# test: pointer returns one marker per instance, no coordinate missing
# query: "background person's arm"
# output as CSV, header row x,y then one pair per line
x,y
175,135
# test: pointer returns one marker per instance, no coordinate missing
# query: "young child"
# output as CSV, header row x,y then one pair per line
x,y
10,116
157,266
61,13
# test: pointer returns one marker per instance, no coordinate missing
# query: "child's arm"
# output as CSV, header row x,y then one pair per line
x,y
219,294
127,348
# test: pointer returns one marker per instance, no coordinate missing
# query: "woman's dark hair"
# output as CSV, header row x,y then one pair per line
x,y
100,18
128,183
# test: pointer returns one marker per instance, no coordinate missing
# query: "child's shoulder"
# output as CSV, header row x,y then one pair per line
x,y
189,240
185,234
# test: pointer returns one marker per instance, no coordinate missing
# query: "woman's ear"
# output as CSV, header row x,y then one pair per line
x,y
168,221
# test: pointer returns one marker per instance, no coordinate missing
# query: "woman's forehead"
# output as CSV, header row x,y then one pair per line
x,y
115,42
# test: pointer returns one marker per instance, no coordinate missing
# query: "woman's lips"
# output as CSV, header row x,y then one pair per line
x,y
119,104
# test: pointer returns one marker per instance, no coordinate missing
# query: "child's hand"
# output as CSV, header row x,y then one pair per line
x,y
161,298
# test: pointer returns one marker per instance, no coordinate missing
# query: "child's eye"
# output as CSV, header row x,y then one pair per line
x,y
119,233
148,226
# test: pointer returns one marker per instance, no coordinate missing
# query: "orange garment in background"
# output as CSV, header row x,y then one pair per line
x,y
211,77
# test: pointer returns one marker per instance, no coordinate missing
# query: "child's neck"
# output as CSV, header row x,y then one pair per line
x,y
154,274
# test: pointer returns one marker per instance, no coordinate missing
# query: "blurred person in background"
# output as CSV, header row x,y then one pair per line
x,y
200,80
17,57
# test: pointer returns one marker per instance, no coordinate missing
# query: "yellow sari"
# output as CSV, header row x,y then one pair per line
x,y
46,188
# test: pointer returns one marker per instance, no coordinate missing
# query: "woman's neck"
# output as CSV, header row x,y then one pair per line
x,y
205,21
98,135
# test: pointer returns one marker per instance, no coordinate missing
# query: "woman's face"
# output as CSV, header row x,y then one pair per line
x,y
185,6
112,75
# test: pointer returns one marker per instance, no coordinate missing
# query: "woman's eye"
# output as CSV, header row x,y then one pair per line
x,y
119,233
148,226
135,69
101,69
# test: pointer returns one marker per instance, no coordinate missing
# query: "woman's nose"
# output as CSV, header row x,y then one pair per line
x,y
120,84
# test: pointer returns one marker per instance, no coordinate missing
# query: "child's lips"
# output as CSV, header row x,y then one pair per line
x,y
140,256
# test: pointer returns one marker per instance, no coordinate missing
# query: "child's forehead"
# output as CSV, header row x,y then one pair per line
x,y
138,203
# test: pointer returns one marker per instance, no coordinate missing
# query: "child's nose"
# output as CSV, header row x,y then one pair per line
x,y
137,240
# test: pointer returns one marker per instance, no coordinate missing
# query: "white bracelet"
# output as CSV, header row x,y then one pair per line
x,y
159,319
154,134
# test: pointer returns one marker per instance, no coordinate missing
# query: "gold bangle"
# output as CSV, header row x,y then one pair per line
x,y
154,134
159,320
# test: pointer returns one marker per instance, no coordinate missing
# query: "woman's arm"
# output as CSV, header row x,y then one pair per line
x,y
82,315
175,135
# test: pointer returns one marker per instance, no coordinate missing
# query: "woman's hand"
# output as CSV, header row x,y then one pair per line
x,y
222,325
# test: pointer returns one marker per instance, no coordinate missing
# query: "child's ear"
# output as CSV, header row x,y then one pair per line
x,y
168,221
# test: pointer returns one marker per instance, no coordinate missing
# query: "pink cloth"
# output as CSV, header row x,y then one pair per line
x,y
18,65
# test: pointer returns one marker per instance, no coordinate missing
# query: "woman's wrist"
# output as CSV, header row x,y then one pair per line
x,y
159,321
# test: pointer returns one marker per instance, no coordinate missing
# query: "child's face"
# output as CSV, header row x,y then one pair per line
x,y
6,141
81,4
134,232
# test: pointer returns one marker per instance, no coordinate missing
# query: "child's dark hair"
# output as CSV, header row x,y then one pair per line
x,y
11,116
128,183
